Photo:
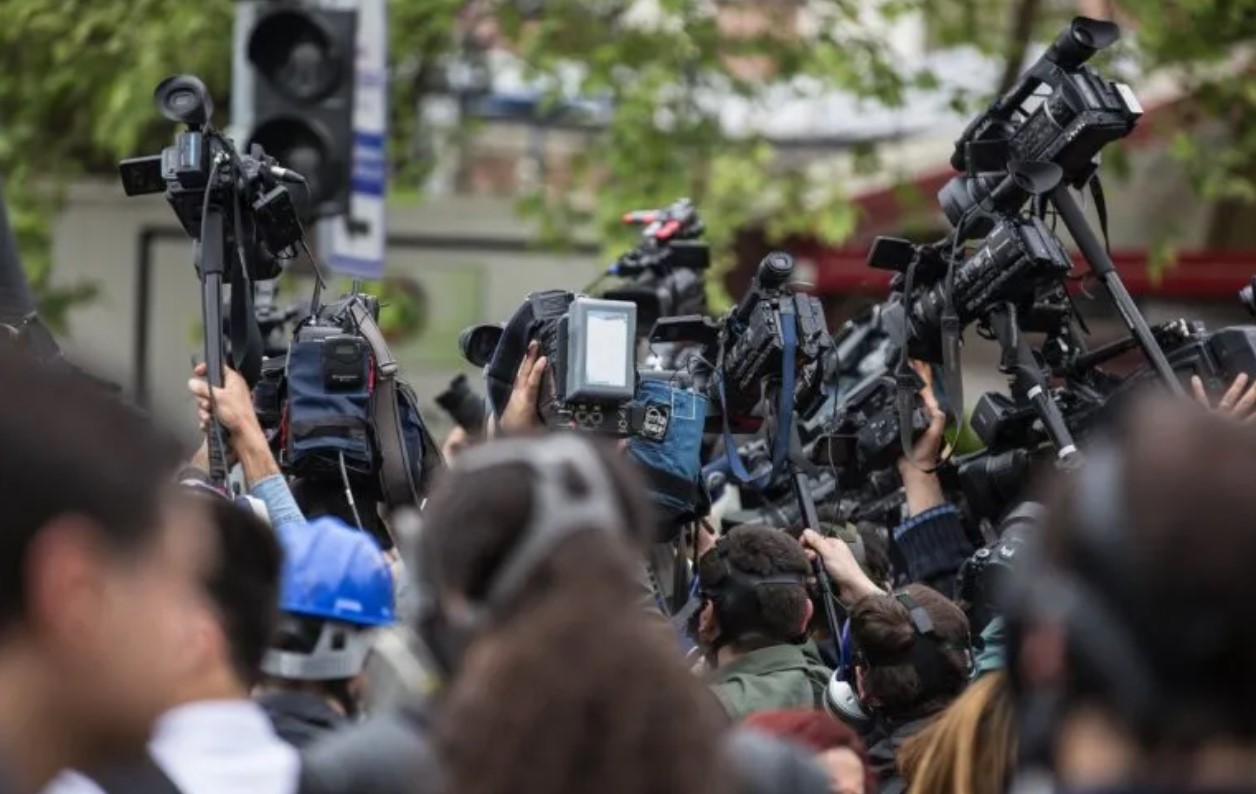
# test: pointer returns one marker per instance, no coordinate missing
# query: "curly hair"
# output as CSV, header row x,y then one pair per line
x,y
574,688
761,551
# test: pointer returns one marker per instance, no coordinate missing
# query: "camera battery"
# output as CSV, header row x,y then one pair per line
x,y
345,362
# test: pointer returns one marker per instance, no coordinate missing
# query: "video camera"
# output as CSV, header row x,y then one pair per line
x,y
664,276
1019,258
203,170
335,409
1003,150
774,340
239,211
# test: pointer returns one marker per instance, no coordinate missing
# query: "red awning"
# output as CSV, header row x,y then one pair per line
x,y
1195,274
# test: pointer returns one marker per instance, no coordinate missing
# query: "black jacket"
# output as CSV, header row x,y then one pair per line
x,y
300,717
884,741
388,754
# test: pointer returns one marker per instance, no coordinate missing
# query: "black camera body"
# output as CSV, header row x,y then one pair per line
x,y
754,343
866,436
202,161
1083,113
1019,258
744,350
665,275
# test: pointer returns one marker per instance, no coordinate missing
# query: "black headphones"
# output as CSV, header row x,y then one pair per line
x,y
928,658
736,595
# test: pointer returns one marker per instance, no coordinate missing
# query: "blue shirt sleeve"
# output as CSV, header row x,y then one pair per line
x,y
275,494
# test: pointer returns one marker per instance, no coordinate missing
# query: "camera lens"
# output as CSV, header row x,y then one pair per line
x,y
182,100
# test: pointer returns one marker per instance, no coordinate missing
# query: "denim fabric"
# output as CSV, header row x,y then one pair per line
x,y
679,454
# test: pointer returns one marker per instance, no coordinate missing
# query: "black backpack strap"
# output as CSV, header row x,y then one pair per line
x,y
144,777
395,479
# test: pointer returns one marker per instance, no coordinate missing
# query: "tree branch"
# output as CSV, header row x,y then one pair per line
x,y
1024,18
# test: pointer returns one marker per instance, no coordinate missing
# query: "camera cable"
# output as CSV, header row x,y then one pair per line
x,y
353,505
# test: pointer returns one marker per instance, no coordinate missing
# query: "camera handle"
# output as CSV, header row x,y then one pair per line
x,y
800,480
211,266
1019,362
1102,266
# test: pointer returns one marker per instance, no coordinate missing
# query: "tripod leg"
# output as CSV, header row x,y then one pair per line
x,y
1103,267
1019,362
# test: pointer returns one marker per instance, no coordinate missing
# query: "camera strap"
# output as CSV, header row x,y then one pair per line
x,y
398,487
784,409
1101,209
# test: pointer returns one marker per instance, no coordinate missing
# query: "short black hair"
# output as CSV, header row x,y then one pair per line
x,y
760,551
244,585
69,447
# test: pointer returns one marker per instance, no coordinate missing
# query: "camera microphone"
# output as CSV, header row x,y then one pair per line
x,y
286,175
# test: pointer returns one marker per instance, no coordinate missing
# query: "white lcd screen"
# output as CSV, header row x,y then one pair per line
x,y
606,348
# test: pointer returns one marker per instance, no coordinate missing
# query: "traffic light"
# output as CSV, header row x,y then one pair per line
x,y
301,61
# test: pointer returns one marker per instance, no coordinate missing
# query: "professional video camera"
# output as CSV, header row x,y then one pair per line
x,y
1001,152
1014,263
665,274
239,211
773,342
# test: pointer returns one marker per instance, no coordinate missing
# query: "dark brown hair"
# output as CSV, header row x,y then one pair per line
x,y
576,688
970,748
68,447
881,626
761,551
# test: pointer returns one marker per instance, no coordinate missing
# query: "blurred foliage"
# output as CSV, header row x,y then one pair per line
x,y
1209,45
85,70
661,78
78,96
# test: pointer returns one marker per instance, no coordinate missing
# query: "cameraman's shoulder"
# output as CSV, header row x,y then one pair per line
x,y
391,753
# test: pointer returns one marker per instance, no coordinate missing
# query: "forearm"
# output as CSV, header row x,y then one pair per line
x,y
280,504
254,453
922,489
854,588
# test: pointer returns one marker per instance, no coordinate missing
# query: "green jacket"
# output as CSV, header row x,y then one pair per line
x,y
776,677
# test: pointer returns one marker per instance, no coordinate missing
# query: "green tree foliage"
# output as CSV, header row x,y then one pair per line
x,y
77,95
1208,44
80,73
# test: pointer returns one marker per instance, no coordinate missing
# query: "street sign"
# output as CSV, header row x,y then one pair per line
x,y
354,243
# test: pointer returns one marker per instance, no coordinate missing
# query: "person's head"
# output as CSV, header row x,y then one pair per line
x,y
241,604
336,590
911,651
970,748
530,566
497,497
754,591
837,747
1132,622
99,565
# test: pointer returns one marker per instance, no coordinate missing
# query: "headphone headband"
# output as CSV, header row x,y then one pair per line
x,y
557,512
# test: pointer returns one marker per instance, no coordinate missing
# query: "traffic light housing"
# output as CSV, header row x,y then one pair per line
x,y
301,60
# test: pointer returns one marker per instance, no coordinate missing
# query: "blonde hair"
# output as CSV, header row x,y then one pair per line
x,y
970,748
